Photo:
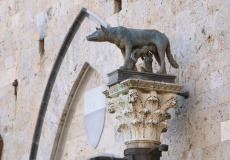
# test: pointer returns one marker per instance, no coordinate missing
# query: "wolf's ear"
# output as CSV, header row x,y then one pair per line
x,y
103,29
97,28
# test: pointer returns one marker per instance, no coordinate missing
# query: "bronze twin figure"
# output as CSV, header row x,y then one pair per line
x,y
136,43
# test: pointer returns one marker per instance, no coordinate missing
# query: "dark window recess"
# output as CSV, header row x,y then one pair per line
x,y
1,147
117,6
42,46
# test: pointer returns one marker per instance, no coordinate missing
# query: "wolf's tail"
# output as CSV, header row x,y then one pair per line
x,y
170,57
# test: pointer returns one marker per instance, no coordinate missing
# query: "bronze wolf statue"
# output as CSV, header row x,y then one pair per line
x,y
130,39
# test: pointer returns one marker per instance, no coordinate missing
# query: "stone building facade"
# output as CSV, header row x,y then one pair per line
x,y
31,35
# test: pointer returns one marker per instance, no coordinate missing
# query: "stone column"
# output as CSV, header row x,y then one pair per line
x,y
141,107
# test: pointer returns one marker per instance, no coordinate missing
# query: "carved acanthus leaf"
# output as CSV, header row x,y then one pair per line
x,y
166,116
151,122
144,111
136,122
163,125
122,127
142,114
159,112
170,103
132,96
153,98
127,111
111,107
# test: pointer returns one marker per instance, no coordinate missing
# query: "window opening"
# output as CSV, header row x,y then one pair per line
x,y
117,6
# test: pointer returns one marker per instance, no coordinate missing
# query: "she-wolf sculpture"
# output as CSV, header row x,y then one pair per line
x,y
127,40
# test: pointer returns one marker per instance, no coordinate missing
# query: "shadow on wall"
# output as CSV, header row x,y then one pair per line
x,y
1,147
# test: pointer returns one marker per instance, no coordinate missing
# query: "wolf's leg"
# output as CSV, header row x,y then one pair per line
x,y
154,51
123,54
157,58
148,65
161,53
158,61
128,63
131,65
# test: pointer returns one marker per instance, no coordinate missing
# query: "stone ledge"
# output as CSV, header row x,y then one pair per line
x,y
120,75
146,85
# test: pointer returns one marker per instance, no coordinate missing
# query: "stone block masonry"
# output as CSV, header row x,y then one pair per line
x,y
199,35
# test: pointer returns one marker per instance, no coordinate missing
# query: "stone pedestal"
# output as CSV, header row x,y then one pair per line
x,y
119,75
140,102
141,108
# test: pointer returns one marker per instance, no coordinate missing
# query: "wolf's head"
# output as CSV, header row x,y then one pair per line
x,y
100,35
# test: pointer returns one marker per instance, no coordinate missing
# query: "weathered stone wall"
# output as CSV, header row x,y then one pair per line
x,y
199,33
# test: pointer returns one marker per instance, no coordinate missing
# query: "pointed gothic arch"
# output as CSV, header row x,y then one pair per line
x,y
57,65
69,111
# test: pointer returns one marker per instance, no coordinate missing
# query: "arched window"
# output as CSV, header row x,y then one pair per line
x,y
117,6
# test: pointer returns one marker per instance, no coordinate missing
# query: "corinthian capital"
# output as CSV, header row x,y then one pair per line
x,y
142,110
